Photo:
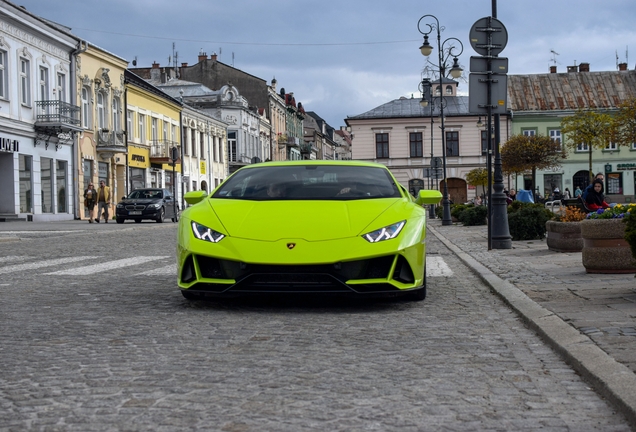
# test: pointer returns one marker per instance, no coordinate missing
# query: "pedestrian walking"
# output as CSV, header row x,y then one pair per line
x,y
90,198
103,201
577,192
566,194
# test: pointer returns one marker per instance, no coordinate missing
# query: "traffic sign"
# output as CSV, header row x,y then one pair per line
x,y
480,31
478,93
498,65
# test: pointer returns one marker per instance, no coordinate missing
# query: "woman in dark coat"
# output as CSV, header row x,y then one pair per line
x,y
595,198
90,199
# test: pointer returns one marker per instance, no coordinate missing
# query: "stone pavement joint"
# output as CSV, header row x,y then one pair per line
x,y
595,362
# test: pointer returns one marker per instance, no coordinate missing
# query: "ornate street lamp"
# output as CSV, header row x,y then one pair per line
x,y
444,54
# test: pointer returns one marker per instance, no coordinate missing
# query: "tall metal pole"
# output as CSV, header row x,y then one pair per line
x,y
499,237
433,169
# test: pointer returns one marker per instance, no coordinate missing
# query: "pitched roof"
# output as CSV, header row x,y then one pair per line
x,y
410,107
570,90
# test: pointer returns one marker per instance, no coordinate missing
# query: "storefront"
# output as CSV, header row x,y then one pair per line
x,y
138,167
40,175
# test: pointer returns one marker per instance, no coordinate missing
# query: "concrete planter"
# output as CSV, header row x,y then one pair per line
x,y
564,236
605,249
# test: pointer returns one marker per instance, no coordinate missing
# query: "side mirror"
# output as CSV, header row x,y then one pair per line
x,y
428,197
195,197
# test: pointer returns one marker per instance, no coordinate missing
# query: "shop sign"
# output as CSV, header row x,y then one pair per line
x,y
138,158
202,167
626,167
9,145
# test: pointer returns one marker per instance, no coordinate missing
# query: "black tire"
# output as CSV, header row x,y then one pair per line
x,y
175,219
161,216
137,220
120,220
420,293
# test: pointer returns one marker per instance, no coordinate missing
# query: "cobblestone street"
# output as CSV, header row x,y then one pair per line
x,y
95,344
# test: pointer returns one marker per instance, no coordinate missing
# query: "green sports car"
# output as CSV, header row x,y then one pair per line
x,y
322,227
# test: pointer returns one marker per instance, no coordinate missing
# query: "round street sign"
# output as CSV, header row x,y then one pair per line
x,y
479,32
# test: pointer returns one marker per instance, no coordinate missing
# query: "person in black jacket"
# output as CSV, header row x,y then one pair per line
x,y
595,198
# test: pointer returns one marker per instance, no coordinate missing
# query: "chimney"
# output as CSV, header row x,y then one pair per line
x,y
184,65
574,68
584,67
202,57
622,66
213,57
553,69
155,65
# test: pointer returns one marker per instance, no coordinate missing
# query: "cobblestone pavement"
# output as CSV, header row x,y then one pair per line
x,y
601,307
116,347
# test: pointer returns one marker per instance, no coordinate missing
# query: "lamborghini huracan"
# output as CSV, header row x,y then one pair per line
x,y
320,227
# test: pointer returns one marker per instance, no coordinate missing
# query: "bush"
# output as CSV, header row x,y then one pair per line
x,y
474,215
439,210
458,209
528,222
630,229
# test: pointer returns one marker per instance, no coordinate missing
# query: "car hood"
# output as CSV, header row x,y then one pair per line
x,y
140,201
308,220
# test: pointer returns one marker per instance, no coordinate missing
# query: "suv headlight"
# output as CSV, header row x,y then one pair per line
x,y
155,205
206,234
386,233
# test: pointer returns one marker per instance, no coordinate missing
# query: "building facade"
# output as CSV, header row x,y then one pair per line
x,y
39,118
561,95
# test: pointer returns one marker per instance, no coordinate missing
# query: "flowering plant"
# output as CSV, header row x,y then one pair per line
x,y
619,211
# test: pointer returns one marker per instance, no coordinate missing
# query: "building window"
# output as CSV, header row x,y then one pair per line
x,y
129,123
611,147
85,110
382,145
26,187
231,146
137,178
449,90
634,146
25,81
165,136
193,143
44,83
529,132
484,143
46,169
61,87
184,139
62,187
202,143
415,144
582,148
153,129
142,128
101,113
452,143
3,75
116,118
614,183
555,134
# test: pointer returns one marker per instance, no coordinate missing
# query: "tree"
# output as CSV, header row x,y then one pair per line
x,y
595,130
477,177
625,123
531,152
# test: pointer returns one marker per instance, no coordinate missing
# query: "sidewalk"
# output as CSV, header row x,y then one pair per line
x,y
590,319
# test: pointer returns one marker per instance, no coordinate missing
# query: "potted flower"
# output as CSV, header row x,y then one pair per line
x,y
563,231
605,248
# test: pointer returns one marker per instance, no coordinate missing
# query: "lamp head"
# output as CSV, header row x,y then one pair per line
x,y
480,124
426,49
456,70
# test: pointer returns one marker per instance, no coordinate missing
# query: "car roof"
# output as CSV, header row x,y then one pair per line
x,y
316,162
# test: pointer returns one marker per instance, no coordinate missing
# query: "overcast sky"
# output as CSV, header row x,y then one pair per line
x,y
342,58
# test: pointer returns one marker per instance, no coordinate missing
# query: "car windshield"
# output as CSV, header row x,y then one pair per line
x,y
309,182
145,194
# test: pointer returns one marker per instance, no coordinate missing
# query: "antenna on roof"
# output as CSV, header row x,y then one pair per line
x,y
554,54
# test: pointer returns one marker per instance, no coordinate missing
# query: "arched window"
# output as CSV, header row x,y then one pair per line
x,y
101,111
116,117
449,90
85,111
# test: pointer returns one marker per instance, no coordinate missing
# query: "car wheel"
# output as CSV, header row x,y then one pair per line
x,y
120,220
137,220
419,294
161,216
176,217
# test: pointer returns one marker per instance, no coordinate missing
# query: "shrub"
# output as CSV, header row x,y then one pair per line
x,y
630,229
528,222
474,215
458,209
571,214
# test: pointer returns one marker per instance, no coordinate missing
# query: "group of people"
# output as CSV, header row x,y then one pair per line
x,y
97,197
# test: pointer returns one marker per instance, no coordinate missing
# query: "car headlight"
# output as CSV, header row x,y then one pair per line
x,y
120,206
206,234
386,233
156,205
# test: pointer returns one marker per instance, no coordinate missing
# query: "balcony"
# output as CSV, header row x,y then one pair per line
x,y
110,142
55,116
160,151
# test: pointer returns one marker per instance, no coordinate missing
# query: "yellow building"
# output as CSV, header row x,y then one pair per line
x,y
101,142
153,130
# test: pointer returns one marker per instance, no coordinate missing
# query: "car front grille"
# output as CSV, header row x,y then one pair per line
x,y
135,207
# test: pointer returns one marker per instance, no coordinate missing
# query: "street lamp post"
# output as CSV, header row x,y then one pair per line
x,y
429,100
444,53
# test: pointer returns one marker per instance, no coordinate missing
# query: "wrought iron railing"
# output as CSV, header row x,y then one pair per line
x,y
161,148
56,111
